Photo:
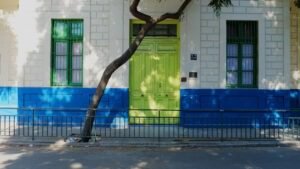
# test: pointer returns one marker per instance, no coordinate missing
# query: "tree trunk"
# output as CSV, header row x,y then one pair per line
x,y
111,68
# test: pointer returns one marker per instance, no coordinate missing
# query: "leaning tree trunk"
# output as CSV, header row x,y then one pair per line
x,y
111,68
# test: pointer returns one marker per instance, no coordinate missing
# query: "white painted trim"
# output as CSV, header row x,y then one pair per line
x,y
126,36
287,45
261,43
126,24
183,50
0,66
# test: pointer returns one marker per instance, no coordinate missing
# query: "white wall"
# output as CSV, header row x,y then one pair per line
x,y
8,46
8,53
189,33
106,36
273,43
204,34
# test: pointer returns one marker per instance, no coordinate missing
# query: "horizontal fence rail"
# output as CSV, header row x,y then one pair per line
x,y
155,124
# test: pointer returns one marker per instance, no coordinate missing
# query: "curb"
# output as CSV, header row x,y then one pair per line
x,y
113,143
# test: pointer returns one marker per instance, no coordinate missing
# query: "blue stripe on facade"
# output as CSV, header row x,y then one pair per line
x,y
243,107
192,100
53,99
8,98
239,99
71,98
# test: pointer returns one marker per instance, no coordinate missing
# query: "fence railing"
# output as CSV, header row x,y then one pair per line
x,y
155,124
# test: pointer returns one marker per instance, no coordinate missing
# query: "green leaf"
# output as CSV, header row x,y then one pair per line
x,y
218,4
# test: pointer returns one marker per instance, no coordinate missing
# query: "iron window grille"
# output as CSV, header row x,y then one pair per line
x,y
165,30
242,54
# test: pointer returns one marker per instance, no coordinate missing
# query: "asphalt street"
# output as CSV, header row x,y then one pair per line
x,y
149,158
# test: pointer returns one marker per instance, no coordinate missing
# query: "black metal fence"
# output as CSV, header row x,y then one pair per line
x,y
156,124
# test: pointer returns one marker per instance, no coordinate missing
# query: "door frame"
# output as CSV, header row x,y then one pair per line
x,y
165,22
169,21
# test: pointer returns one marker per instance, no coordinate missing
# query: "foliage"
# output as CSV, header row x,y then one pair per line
x,y
297,3
218,4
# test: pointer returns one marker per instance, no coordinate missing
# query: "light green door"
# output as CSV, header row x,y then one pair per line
x,y
154,82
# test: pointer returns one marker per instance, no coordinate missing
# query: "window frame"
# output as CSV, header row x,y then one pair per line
x,y
240,41
166,22
70,41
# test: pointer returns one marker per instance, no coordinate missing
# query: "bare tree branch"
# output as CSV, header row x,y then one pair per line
x,y
134,11
112,67
175,15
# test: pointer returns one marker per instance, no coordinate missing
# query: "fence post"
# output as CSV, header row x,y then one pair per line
x,y
158,125
298,129
33,124
284,125
222,116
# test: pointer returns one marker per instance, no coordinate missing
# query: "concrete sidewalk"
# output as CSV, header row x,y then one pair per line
x,y
149,158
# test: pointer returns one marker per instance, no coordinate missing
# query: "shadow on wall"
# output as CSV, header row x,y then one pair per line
x,y
72,102
8,49
30,26
29,23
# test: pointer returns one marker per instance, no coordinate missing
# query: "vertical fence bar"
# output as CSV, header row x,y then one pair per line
x,y
9,125
32,124
159,125
4,126
222,116
293,127
298,128
14,125
283,125
66,126
71,123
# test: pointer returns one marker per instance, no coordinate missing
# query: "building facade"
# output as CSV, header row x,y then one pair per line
x,y
53,53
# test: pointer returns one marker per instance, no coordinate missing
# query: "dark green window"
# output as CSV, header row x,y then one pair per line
x,y
67,52
241,52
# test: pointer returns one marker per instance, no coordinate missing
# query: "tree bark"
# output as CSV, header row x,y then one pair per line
x,y
112,67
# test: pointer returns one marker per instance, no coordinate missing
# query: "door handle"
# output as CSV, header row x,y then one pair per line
x,y
167,95
142,95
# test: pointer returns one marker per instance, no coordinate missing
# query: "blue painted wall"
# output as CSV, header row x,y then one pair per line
x,y
8,98
70,98
52,100
116,101
239,99
242,107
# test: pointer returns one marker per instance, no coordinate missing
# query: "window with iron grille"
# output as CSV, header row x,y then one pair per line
x,y
242,54
67,52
